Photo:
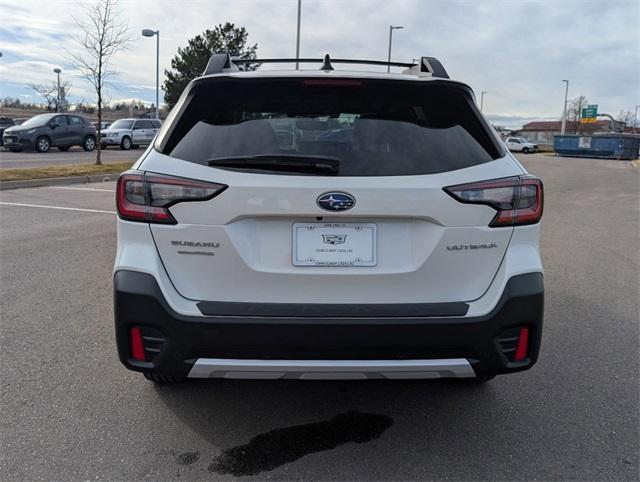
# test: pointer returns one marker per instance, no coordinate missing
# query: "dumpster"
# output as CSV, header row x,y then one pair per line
x,y
605,146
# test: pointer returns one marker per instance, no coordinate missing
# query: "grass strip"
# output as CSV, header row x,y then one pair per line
x,y
26,173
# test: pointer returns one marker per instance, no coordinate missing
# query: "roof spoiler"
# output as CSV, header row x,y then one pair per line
x,y
220,63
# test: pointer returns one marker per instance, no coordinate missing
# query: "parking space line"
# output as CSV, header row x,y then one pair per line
x,y
63,208
82,188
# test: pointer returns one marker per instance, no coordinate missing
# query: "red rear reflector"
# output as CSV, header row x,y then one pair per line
x,y
137,348
334,82
517,200
523,345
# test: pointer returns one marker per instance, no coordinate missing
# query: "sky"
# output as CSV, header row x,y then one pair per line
x,y
518,51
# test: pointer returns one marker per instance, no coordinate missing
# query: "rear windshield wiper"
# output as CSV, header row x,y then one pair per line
x,y
282,162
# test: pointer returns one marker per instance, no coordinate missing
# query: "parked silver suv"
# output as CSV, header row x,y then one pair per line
x,y
44,131
128,133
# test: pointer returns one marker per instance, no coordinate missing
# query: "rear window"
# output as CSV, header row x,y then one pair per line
x,y
366,128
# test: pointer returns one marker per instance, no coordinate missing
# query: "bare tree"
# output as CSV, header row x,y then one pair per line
x,y
626,116
49,93
101,38
574,112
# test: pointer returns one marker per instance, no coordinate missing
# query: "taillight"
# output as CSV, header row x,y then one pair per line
x,y
146,197
517,200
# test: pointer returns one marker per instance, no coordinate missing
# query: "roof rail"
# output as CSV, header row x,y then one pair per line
x,y
219,63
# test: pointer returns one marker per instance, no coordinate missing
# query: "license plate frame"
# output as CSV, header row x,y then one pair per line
x,y
335,244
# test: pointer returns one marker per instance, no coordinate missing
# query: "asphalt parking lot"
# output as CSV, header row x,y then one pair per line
x,y
54,157
70,411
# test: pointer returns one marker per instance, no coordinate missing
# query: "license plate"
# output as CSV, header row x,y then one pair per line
x,y
334,244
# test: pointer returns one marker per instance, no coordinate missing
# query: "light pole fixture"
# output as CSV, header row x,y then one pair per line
x,y
564,111
391,29
298,35
58,72
150,33
482,99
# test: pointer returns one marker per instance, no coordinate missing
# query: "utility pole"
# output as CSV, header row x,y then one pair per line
x,y
635,120
298,35
391,29
482,99
57,71
564,111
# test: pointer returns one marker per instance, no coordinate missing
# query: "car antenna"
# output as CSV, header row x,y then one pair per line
x,y
326,65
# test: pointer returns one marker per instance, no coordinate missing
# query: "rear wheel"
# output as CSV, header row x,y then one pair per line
x,y
125,143
43,144
89,143
162,379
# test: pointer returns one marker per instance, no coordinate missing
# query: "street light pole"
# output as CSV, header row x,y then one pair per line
x,y
150,33
391,29
298,35
57,71
564,111
635,120
482,99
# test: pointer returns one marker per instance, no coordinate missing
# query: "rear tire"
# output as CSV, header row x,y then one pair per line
x,y
43,144
162,379
89,143
125,143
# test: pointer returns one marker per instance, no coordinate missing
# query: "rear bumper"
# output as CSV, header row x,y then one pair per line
x,y
313,346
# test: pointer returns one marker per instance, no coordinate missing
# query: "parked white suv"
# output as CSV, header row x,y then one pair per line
x,y
520,144
129,133
394,238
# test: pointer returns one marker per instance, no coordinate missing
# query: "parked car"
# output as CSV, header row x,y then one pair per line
x,y
103,125
405,248
520,144
51,130
129,133
4,123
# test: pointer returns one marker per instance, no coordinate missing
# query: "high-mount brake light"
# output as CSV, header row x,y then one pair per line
x,y
517,200
332,82
147,197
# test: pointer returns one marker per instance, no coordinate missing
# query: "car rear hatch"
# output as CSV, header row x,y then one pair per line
x,y
327,191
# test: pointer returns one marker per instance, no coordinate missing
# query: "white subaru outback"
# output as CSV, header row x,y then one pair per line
x,y
326,224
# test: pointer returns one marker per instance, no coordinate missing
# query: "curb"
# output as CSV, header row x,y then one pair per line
x,y
57,181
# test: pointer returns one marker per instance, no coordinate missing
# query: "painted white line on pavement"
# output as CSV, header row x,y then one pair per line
x,y
57,207
81,188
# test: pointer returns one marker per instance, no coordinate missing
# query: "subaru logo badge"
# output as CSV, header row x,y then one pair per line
x,y
336,201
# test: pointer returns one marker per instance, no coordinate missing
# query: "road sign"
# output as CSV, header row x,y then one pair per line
x,y
590,111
